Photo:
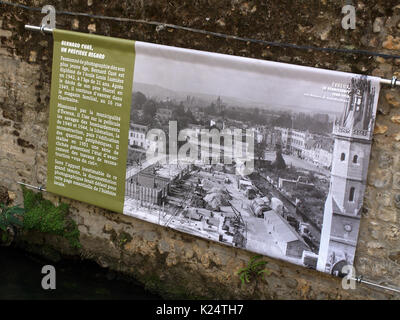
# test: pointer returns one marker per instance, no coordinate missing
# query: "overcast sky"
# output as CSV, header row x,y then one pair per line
x,y
275,84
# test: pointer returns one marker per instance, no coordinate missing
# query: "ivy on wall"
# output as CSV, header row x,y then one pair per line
x,y
42,215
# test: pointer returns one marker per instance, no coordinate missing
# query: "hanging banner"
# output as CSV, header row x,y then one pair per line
x,y
265,156
91,90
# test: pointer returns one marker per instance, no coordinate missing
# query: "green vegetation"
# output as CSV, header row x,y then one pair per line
x,y
254,270
10,217
44,216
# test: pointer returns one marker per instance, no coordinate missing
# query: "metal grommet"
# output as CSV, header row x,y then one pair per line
x,y
394,80
160,27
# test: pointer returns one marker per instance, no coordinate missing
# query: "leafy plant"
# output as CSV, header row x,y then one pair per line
x,y
9,216
44,216
254,270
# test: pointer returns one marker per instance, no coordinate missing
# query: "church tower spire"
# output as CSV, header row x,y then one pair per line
x,y
352,134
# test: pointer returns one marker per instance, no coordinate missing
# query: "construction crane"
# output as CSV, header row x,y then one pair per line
x,y
240,228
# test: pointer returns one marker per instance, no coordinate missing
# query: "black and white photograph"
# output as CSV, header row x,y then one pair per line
x,y
275,155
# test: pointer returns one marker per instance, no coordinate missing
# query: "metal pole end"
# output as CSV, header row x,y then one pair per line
x,y
42,29
394,81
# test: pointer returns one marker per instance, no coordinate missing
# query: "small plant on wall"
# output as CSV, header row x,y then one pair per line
x,y
254,270
10,219
42,215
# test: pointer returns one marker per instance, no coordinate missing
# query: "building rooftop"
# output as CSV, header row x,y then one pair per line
x,y
138,127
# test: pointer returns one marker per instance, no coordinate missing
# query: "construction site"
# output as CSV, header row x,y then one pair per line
x,y
212,202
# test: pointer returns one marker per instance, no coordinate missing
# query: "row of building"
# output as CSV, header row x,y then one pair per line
x,y
316,149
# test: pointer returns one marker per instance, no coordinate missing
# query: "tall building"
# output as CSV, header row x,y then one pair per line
x,y
220,107
352,145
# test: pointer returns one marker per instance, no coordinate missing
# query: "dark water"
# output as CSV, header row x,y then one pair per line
x,y
21,277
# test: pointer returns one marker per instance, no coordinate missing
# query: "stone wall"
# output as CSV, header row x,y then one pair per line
x,y
165,259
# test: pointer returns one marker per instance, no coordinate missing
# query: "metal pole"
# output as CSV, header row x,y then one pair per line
x,y
31,186
36,28
393,82
359,279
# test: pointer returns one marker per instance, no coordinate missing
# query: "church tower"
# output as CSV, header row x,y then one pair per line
x,y
352,134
